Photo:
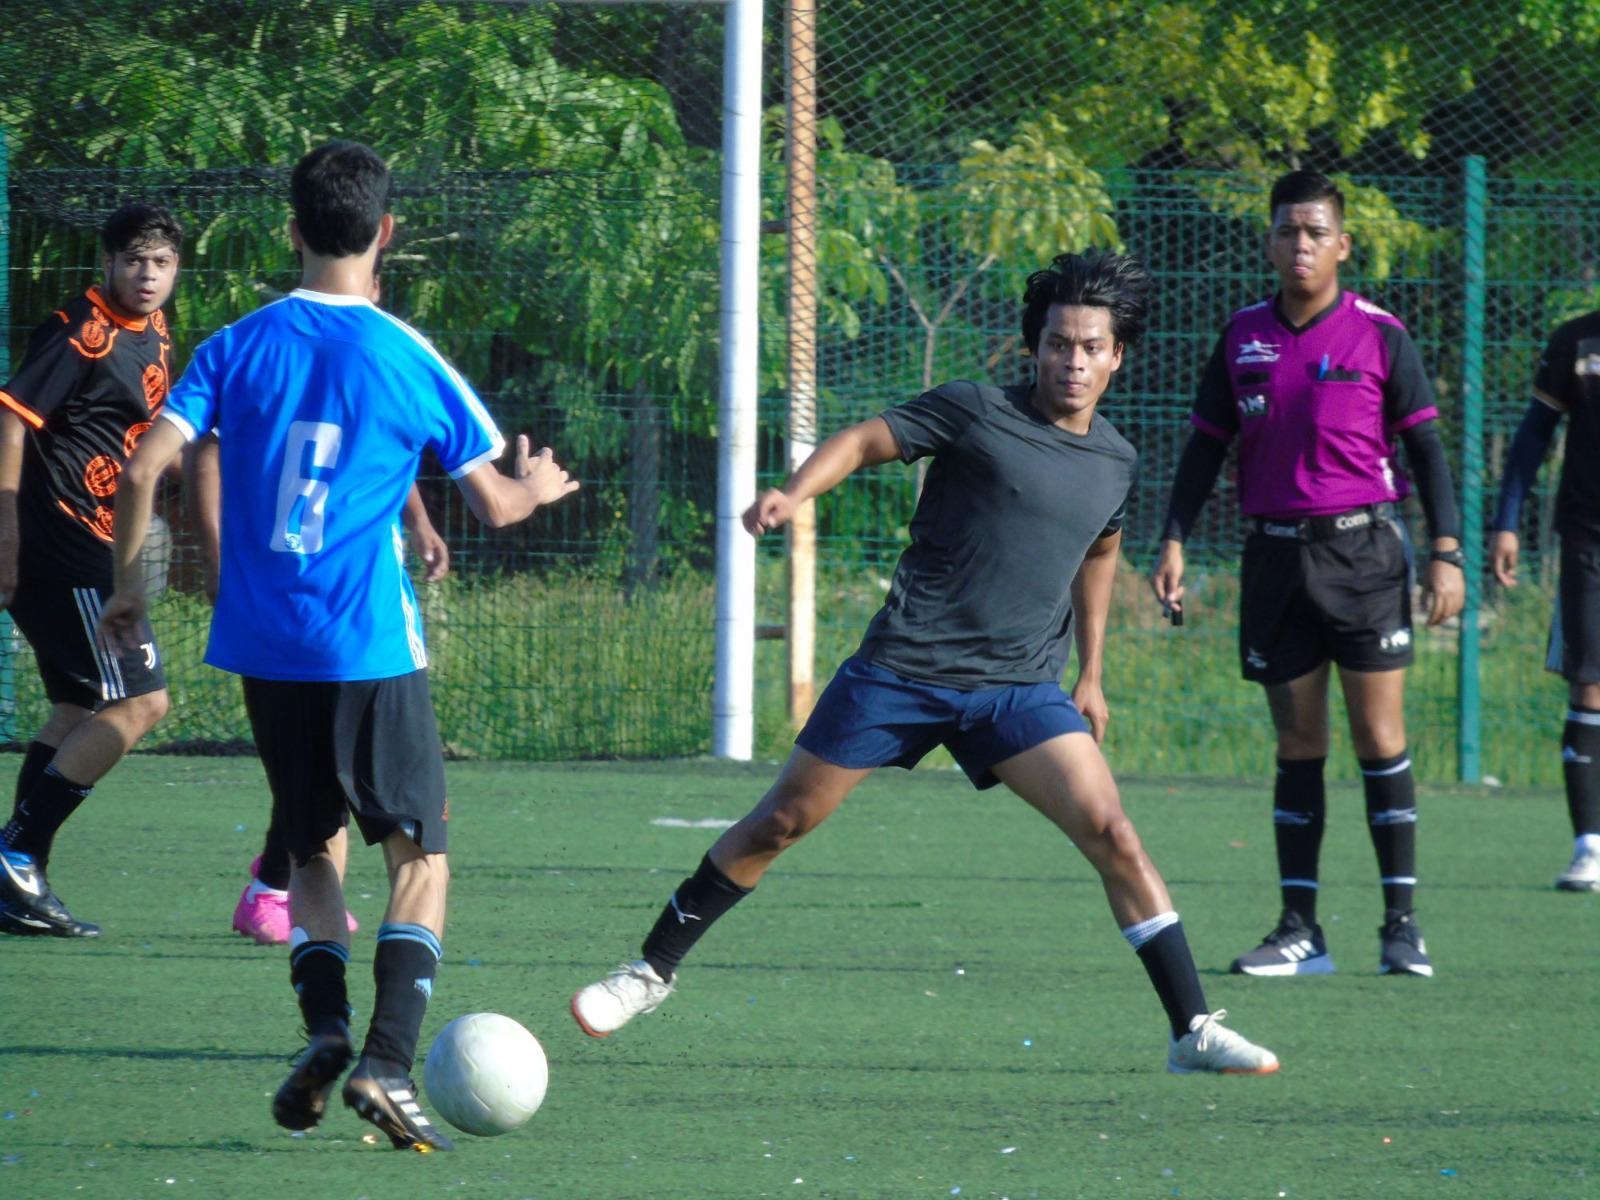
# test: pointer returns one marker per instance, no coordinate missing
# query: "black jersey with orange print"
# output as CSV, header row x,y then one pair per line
x,y
90,385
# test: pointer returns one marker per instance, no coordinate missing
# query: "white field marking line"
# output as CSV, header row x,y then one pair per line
x,y
686,823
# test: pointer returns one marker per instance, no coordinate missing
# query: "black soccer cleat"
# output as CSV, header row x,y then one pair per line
x,y
30,908
390,1103
1293,948
302,1099
1401,949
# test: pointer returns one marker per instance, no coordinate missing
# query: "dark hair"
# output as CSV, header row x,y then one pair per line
x,y
1094,279
339,192
134,226
1306,187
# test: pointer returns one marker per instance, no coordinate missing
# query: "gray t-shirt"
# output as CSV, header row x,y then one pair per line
x,y
983,595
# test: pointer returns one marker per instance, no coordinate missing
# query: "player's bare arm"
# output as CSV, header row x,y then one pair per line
x,y
500,500
1091,601
136,490
868,444
12,436
202,480
425,539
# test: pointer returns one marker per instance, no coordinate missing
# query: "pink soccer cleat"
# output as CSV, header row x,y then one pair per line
x,y
262,914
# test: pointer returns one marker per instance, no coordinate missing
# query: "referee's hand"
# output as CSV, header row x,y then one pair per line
x,y
1444,591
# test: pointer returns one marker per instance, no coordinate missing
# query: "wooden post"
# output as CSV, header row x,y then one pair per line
x,y
801,22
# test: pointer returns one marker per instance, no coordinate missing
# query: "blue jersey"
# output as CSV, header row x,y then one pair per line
x,y
323,406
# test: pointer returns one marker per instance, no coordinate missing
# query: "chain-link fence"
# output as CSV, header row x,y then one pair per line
x,y
559,169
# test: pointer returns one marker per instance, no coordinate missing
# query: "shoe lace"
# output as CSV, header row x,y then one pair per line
x,y
631,986
1211,1032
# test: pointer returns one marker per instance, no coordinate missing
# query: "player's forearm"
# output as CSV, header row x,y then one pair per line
x,y
865,445
1528,448
13,436
203,486
135,499
502,501
415,514
1091,604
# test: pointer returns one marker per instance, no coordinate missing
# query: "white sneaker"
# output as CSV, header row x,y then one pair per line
x,y
1584,873
1209,1047
632,989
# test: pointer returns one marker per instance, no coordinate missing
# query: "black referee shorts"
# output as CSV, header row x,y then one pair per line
x,y
76,665
369,746
1574,651
1347,598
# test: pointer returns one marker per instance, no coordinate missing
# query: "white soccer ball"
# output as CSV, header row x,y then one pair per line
x,y
485,1074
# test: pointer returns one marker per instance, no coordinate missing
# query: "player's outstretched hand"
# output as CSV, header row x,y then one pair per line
x,y
1166,581
773,509
122,620
1503,557
1444,591
542,475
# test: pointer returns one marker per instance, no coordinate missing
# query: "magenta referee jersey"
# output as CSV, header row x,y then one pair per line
x,y
1317,408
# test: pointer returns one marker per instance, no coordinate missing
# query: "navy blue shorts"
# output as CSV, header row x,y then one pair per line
x,y
870,717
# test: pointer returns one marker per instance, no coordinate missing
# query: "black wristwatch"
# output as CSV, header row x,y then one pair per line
x,y
1454,557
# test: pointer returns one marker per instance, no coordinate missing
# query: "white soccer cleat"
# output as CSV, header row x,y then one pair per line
x,y
1584,873
1209,1047
631,990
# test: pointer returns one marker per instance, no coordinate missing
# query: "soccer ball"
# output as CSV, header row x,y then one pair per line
x,y
485,1074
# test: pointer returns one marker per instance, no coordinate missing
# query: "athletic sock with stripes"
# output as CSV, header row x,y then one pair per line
x,y
1164,950
316,969
42,812
1580,764
691,910
403,968
1392,822
1299,811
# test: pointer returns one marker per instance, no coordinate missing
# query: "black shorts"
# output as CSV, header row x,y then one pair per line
x,y
77,666
369,746
1304,602
1574,651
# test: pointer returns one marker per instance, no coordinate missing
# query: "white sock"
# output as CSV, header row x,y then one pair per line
x,y
1587,841
257,888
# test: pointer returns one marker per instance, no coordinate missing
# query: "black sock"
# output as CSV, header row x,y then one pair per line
x,y
42,812
34,761
1299,811
1170,965
275,862
403,968
1392,822
316,969
699,901
1580,763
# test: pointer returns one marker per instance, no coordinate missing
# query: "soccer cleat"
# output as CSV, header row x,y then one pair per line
x,y
1584,873
630,991
31,908
264,916
390,1103
302,1099
1209,1047
1402,951
1293,948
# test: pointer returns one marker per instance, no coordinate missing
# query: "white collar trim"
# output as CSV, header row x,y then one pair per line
x,y
330,298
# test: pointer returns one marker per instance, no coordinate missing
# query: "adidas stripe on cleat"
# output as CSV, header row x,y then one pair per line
x,y
1293,948
390,1103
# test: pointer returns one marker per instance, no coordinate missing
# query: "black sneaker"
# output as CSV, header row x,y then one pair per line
x,y
31,908
1402,951
390,1103
303,1097
1293,948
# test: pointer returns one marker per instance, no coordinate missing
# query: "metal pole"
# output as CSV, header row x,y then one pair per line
x,y
1469,764
733,690
802,534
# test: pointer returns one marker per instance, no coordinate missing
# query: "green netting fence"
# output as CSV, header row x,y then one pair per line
x,y
559,167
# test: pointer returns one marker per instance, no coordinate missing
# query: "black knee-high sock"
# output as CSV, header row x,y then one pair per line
x,y
1580,763
276,865
403,967
1299,812
1164,951
42,812
1392,822
316,969
34,762
699,901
